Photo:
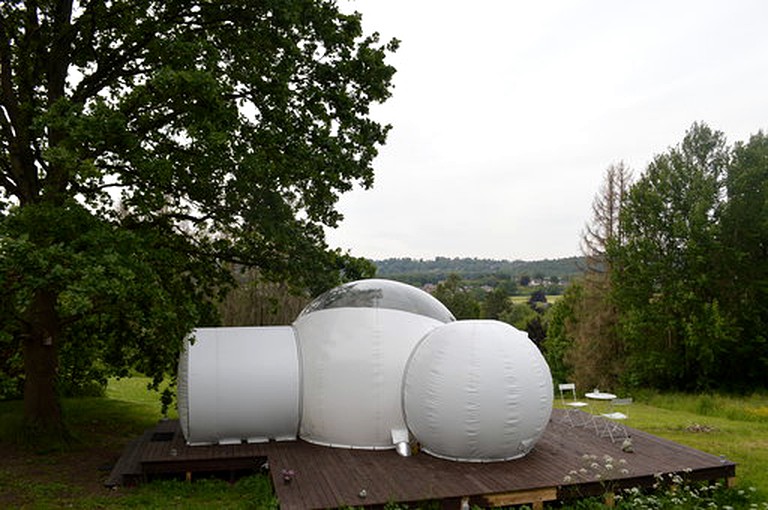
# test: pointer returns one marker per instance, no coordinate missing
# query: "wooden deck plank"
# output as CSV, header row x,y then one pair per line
x,y
309,489
127,469
331,477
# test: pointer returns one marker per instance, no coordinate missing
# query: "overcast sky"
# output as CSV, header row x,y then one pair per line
x,y
506,114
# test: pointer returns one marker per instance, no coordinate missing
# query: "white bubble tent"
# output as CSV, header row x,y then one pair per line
x,y
372,364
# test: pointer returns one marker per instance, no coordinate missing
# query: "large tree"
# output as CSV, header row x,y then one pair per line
x,y
605,226
143,143
596,352
744,273
665,272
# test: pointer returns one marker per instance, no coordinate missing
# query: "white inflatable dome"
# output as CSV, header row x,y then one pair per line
x,y
361,366
239,384
354,342
477,391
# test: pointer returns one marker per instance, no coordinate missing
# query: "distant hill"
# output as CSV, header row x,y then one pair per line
x,y
419,271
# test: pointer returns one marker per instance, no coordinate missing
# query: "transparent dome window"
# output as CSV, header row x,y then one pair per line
x,y
381,294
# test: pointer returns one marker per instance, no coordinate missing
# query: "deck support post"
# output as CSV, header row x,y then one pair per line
x,y
533,497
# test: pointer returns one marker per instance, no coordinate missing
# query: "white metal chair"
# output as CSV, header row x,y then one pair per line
x,y
614,419
573,406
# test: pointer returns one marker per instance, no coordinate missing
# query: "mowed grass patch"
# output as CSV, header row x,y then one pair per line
x,y
523,299
732,427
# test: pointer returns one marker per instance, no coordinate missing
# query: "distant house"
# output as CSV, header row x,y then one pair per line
x,y
429,287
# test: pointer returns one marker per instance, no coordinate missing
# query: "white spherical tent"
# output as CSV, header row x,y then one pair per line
x,y
361,366
477,391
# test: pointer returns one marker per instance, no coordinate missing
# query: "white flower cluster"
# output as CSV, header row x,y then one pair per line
x,y
671,490
597,468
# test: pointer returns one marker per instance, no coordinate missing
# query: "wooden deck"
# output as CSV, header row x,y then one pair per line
x,y
332,477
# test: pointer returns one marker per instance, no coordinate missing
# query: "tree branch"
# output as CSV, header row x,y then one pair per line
x,y
114,64
7,96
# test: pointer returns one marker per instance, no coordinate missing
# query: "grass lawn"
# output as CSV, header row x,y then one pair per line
x,y
734,427
72,477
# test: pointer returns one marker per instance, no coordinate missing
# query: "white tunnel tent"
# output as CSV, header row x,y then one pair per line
x,y
239,384
362,364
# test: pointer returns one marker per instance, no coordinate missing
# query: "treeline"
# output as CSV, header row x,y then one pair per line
x,y
672,290
479,272
465,302
675,295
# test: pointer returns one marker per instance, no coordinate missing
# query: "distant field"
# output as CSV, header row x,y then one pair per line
x,y
524,299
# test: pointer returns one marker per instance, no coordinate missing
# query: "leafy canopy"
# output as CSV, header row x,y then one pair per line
x,y
144,144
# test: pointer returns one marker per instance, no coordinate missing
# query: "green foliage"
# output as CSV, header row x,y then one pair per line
x,y
673,276
496,303
675,492
558,341
518,315
457,298
11,366
143,145
674,292
257,302
120,290
745,267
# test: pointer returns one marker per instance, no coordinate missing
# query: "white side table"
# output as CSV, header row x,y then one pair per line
x,y
599,400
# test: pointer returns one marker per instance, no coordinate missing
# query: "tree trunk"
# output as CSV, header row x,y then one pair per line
x,y
42,410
